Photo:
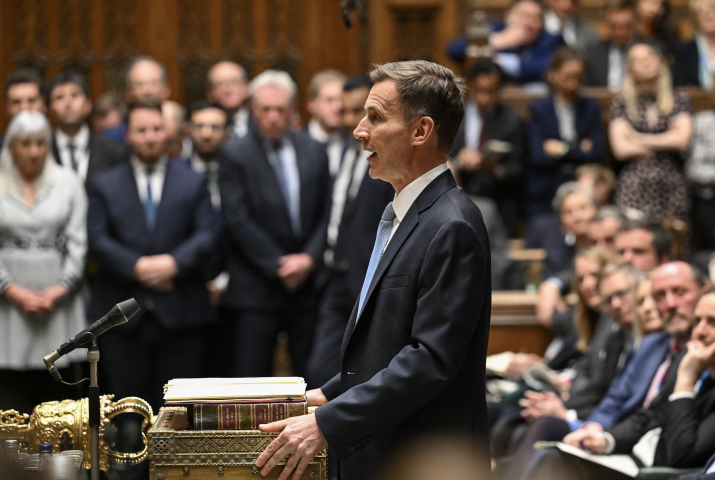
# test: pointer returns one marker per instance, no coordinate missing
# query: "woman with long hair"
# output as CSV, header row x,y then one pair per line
x,y
43,242
650,124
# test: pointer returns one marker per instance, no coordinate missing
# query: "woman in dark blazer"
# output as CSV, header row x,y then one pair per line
x,y
565,131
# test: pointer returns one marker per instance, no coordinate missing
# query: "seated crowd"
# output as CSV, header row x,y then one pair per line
x,y
232,225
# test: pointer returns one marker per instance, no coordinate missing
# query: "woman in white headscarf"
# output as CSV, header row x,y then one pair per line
x,y
43,243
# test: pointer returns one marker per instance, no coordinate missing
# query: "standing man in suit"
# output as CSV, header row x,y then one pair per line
x,y
146,79
151,229
73,145
606,60
227,85
357,204
413,355
274,195
325,104
482,171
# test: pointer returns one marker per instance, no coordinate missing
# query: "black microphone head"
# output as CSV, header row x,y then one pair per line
x,y
129,308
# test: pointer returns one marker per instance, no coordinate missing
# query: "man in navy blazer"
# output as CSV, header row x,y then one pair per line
x,y
274,188
413,355
150,229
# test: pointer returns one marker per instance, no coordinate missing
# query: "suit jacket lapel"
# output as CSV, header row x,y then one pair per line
x,y
92,165
128,191
270,175
428,196
55,150
167,192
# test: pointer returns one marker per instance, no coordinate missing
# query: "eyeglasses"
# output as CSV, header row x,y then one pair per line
x,y
620,294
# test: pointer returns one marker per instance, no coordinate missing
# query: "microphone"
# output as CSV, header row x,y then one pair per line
x,y
119,314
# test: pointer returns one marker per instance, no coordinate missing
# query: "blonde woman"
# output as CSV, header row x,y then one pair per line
x,y
650,123
43,243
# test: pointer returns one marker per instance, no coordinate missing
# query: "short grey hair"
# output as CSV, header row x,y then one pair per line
x,y
144,58
567,189
426,89
610,211
273,78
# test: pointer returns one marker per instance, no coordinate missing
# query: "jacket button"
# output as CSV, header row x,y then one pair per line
x,y
351,448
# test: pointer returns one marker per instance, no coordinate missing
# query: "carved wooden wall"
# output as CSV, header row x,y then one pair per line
x,y
99,37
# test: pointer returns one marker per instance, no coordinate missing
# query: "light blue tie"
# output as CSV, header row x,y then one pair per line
x,y
149,204
383,235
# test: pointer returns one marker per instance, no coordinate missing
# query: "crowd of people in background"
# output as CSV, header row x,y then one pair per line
x,y
230,223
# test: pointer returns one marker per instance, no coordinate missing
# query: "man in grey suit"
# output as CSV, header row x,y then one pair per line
x,y
73,145
413,354
606,60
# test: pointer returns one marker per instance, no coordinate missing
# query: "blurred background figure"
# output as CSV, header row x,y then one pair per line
x,y
655,23
178,141
565,131
43,243
489,152
650,123
561,18
606,60
600,179
146,78
693,61
227,85
325,105
107,118
23,91
73,144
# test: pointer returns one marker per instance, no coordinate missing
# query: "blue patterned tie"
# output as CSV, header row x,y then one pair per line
x,y
383,235
149,204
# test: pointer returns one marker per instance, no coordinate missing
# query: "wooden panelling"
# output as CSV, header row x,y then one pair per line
x,y
514,326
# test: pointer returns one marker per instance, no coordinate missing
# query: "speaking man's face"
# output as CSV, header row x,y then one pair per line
x,y
385,134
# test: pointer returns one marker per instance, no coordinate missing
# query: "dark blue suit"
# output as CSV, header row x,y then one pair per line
x,y
259,232
547,173
535,58
159,341
627,394
414,361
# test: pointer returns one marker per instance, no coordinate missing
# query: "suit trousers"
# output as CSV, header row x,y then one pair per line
x,y
138,362
334,312
256,332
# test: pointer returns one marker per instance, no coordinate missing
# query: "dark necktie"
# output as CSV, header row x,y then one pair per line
x,y
73,159
149,204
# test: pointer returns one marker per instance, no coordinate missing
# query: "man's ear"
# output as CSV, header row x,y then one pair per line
x,y
424,131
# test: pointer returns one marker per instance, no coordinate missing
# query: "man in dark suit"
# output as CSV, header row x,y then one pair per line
x,y
151,229
483,171
227,85
357,204
274,195
684,410
73,145
606,60
413,355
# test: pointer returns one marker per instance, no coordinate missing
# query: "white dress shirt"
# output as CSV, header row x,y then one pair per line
x,y
404,200
555,26
240,122
472,126
156,178
334,142
616,68
211,170
81,150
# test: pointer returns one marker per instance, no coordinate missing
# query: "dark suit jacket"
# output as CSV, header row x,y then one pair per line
x,y
688,437
596,370
358,228
414,362
597,64
535,58
103,155
702,475
626,395
117,233
257,218
547,173
686,64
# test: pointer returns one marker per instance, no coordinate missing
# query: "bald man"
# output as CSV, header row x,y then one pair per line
x,y
227,85
146,78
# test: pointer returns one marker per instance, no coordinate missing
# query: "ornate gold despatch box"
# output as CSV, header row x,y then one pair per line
x,y
177,453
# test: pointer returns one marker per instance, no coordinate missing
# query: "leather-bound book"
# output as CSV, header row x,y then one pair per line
x,y
242,416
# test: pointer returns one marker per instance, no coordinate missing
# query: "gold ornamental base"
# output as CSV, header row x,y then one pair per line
x,y
65,425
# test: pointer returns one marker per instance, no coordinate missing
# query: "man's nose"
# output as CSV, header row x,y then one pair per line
x,y
359,133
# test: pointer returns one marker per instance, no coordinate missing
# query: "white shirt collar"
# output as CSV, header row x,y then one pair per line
x,y
80,141
159,166
200,166
404,200
320,135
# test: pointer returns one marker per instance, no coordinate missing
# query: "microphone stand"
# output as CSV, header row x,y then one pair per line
x,y
94,409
